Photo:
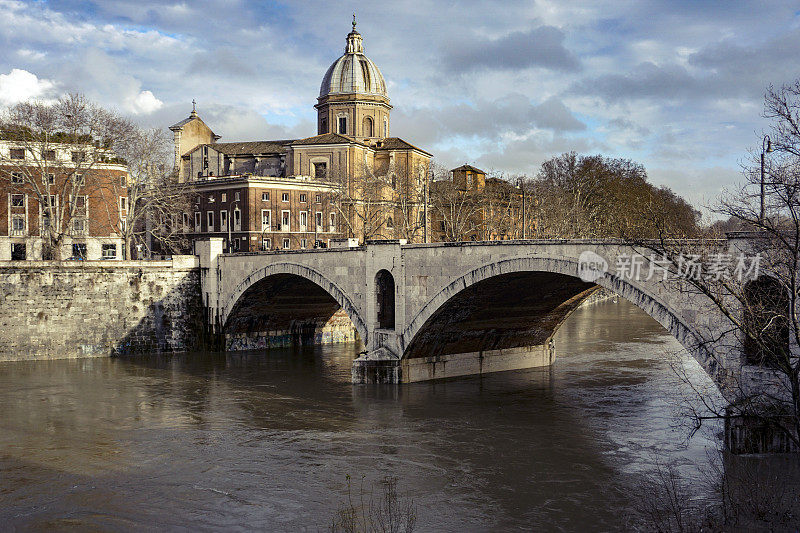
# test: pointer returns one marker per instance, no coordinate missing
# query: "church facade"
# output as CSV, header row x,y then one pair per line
x,y
351,180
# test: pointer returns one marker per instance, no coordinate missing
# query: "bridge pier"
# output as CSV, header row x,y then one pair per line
x,y
384,367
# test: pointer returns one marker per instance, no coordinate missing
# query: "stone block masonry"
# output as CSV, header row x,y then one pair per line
x,y
69,309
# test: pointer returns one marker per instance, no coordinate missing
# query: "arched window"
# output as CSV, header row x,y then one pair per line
x,y
766,319
384,291
343,125
389,222
368,127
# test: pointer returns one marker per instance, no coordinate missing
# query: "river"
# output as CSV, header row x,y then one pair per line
x,y
266,440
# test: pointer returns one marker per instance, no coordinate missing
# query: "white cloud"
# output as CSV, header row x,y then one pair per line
x,y
20,85
144,102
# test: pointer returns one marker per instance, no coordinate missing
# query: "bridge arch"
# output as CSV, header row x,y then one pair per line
x,y
692,340
301,271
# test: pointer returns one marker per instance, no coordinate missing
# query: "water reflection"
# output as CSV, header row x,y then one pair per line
x,y
255,440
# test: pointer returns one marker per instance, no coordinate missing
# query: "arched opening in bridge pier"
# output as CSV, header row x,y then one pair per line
x,y
286,310
384,292
766,308
515,310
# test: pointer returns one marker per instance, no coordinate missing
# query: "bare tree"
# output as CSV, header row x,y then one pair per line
x,y
380,203
407,197
41,134
762,311
458,211
156,215
359,201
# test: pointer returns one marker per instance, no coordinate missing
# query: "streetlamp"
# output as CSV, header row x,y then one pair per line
x,y
766,147
522,188
230,223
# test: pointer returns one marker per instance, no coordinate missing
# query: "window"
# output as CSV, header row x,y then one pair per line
x,y
78,226
123,204
237,220
332,227
236,197
49,155
17,225
235,243
385,128
285,197
303,244
323,126
266,244
16,177
285,221
265,197
224,197
80,205
186,222
78,157
368,127
389,222
469,180
303,220
210,221
320,170
109,251
317,198
265,219
17,200
197,221
79,250
303,198
211,199
123,224
49,178
343,125
18,153
45,222
53,200
123,181
286,244
223,220
318,220
18,252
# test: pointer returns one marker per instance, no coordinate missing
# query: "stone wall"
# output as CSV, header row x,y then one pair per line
x,y
66,309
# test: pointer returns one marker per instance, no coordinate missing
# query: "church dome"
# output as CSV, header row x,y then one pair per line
x,y
353,72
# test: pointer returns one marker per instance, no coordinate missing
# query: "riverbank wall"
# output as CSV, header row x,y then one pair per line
x,y
70,309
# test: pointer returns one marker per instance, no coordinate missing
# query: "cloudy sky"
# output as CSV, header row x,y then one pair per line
x,y
676,85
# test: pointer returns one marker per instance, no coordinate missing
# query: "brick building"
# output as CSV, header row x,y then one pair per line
x,y
86,187
350,180
471,207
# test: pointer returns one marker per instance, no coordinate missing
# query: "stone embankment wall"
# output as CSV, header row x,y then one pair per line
x,y
600,295
66,309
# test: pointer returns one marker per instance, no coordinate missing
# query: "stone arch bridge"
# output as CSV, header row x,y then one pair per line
x,y
430,311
